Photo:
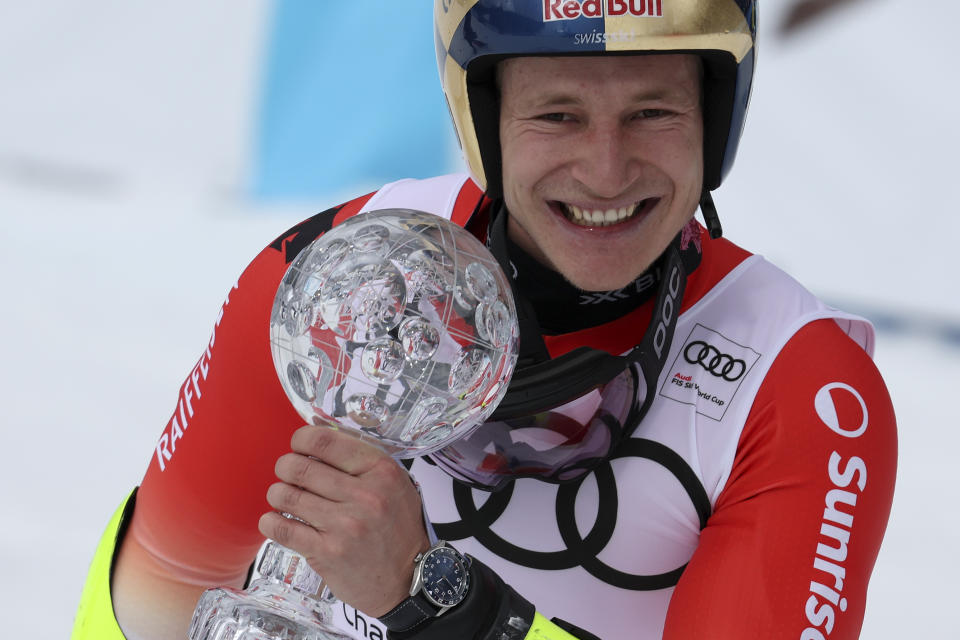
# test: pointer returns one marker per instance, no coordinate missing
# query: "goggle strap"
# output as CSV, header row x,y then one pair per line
x,y
554,382
651,354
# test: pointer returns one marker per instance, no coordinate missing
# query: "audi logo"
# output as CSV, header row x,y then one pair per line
x,y
717,363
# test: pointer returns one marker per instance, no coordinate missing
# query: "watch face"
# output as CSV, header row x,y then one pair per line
x,y
445,577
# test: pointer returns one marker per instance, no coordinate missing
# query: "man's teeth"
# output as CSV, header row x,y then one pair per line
x,y
599,217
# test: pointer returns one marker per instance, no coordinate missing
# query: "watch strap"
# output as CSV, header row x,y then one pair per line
x,y
410,613
492,610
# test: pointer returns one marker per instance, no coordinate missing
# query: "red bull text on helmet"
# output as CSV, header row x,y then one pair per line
x,y
472,36
573,9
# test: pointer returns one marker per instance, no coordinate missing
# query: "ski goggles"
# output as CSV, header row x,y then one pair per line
x,y
561,418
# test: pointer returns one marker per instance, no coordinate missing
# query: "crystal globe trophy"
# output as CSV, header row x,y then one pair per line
x,y
397,327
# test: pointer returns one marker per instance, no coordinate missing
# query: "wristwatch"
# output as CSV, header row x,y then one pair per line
x,y
441,580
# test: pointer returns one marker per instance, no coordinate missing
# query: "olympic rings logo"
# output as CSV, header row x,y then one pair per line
x,y
717,363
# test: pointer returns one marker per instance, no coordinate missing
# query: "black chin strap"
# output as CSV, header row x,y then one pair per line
x,y
710,217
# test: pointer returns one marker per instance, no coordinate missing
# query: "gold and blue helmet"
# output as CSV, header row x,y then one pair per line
x,y
564,416
473,35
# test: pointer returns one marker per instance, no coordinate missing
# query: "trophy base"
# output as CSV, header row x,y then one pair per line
x,y
263,612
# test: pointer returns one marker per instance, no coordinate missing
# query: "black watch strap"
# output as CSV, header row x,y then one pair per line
x,y
413,611
491,610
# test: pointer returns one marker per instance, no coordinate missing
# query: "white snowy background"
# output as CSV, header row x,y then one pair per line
x,y
124,139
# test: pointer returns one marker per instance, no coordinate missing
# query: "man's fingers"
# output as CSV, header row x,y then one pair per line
x,y
314,510
287,531
313,475
336,448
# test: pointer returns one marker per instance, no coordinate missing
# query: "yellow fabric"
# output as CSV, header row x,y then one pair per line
x,y
95,619
543,629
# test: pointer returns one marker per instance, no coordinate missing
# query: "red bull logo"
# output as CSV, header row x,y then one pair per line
x,y
573,9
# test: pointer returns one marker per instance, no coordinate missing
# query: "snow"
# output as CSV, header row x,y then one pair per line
x,y
123,223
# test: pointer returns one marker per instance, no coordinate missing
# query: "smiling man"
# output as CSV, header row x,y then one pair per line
x,y
692,445
602,160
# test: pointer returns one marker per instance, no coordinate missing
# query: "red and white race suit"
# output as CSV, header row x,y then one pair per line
x,y
750,502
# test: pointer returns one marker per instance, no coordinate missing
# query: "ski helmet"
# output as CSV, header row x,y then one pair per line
x,y
473,35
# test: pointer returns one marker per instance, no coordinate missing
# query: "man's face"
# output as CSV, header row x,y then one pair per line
x,y
619,136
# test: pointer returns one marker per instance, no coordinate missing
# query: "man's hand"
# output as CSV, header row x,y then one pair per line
x,y
364,513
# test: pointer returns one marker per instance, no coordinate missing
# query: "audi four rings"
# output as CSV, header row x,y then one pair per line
x,y
717,363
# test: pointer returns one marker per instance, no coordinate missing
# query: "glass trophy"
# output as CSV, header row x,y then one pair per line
x,y
398,327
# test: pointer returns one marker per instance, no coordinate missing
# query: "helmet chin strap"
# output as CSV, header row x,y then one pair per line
x,y
710,217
